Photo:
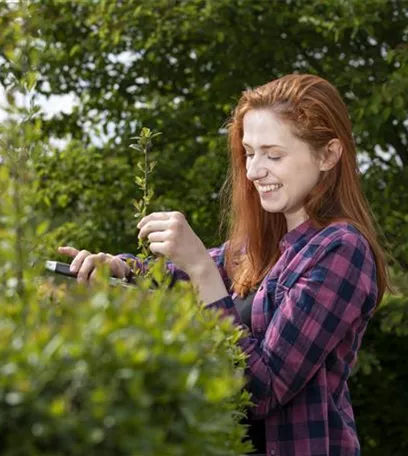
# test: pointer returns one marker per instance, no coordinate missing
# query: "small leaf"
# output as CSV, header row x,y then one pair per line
x,y
74,50
31,79
9,53
42,228
10,98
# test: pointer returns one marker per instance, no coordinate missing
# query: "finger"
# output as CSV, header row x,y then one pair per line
x,y
118,267
78,260
101,258
115,269
159,248
158,236
87,266
92,277
153,216
154,225
67,250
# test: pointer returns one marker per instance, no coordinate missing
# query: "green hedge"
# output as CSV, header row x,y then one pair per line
x,y
114,371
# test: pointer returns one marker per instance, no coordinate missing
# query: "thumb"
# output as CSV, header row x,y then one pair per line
x,y
70,251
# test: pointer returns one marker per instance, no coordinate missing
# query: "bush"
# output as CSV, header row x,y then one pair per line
x,y
379,386
113,371
102,371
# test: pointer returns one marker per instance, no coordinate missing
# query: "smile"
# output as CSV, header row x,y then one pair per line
x,y
269,188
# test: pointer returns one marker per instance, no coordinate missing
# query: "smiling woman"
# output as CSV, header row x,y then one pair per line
x,y
284,170
301,269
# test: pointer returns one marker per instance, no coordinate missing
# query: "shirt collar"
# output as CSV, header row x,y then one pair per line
x,y
292,236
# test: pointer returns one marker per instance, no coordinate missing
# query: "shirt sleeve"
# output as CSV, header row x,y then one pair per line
x,y
216,253
325,305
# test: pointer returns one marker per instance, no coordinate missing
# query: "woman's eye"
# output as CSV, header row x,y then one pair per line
x,y
275,158
247,155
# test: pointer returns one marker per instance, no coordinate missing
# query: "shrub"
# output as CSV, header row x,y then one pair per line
x,y
114,371
103,371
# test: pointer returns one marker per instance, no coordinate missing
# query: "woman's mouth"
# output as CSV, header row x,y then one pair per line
x,y
264,189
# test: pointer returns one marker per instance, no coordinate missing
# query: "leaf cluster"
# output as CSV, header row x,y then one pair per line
x,y
143,145
113,371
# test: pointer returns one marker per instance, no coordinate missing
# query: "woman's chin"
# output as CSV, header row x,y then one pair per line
x,y
272,207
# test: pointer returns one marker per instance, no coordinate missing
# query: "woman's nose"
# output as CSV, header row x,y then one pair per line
x,y
255,170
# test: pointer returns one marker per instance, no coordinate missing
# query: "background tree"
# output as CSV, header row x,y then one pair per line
x,y
179,67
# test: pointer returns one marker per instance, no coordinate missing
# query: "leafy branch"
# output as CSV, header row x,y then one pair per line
x,y
144,145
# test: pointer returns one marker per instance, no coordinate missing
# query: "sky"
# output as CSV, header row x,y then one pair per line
x,y
51,105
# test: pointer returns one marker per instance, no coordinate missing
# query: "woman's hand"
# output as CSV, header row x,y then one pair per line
x,y
85,263
169,234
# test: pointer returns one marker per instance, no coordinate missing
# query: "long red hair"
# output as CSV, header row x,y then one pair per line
x,y
317,114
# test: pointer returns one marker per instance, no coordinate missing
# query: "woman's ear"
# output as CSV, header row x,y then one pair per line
x,y
331,155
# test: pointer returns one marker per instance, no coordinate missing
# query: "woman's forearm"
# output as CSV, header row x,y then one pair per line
x,y
208,281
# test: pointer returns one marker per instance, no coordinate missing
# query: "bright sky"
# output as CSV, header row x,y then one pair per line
x,y
51,105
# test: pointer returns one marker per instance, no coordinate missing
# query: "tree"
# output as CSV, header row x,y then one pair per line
x,y
179,67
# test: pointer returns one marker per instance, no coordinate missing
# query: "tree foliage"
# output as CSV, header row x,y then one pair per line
x,y
179,67
125,372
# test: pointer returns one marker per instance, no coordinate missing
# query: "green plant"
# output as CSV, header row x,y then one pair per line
x,y
156,267
143,145
105,371
113,372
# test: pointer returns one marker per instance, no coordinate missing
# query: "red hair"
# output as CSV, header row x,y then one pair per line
x,y
317,114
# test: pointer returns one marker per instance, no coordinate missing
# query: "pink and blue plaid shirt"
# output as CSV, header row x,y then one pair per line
x,y
308,318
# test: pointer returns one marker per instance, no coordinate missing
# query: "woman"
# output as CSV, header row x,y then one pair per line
x,y
302,269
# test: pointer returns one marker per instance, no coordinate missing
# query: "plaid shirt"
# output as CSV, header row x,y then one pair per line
x,y
309,315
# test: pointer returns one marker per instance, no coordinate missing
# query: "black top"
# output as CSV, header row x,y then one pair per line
x,y
244,307
256,429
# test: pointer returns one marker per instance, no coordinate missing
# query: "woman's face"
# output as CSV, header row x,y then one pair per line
x,y
281,166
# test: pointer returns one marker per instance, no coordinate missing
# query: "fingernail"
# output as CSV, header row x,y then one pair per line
x,y
73,267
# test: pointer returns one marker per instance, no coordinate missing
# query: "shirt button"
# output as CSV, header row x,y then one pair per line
x,y
272,452
258,329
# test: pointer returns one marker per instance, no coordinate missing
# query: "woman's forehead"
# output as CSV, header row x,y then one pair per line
x,y
263,127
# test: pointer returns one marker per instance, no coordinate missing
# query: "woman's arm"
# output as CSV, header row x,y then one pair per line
x,y
206,275
332,300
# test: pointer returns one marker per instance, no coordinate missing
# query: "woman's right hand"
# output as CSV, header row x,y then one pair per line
x,y
85,263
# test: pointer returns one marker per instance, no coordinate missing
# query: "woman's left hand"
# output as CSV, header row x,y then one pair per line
x,y
169,234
